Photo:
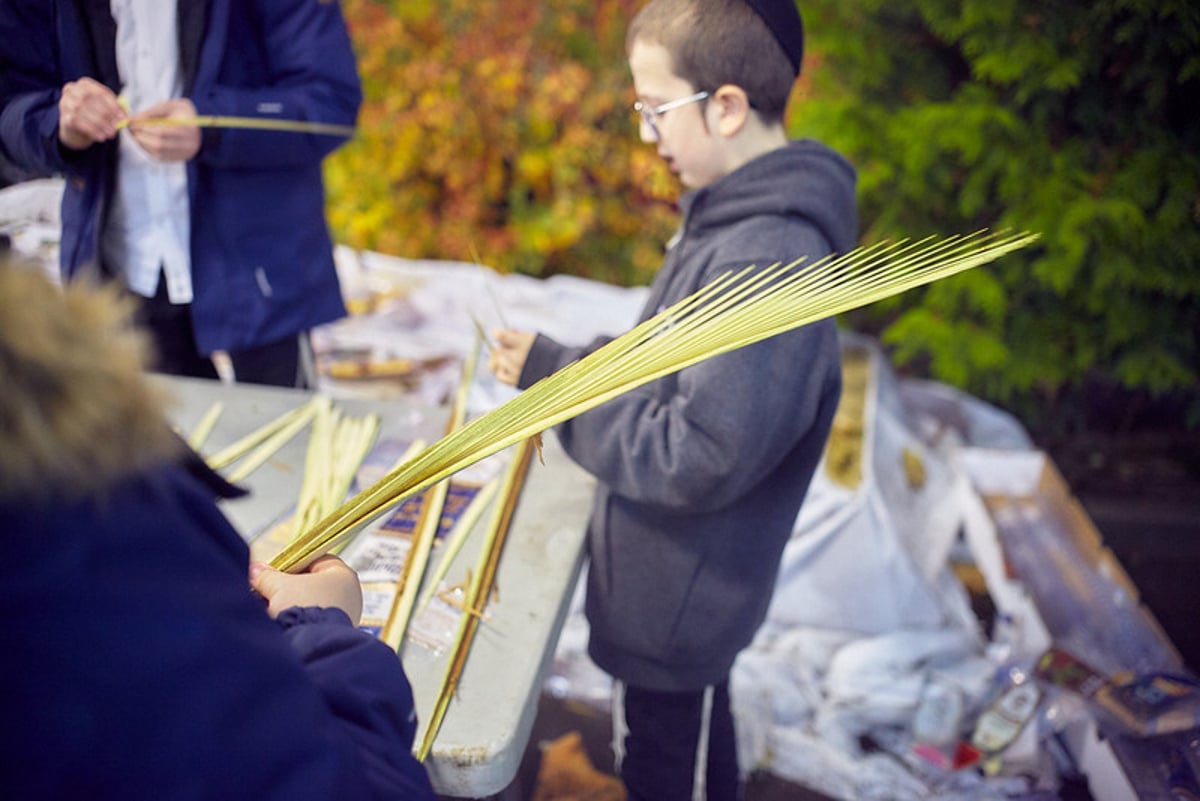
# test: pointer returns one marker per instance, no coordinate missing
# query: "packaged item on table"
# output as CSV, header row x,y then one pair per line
x,y
1148,704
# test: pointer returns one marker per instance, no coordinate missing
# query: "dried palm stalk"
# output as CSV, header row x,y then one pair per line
x,y
738,309
337,446
427,525
255,123
238,449
458,536
203,428
294,423
479,589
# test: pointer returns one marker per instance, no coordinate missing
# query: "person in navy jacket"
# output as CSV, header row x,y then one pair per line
x,y
237,219
138,662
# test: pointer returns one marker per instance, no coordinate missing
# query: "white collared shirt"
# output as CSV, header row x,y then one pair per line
x,y
149,228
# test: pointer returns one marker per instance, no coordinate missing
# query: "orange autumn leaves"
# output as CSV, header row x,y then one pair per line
x,y
500,131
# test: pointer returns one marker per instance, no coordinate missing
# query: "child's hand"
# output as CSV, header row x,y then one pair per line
x,y
508,356
167,142
327,582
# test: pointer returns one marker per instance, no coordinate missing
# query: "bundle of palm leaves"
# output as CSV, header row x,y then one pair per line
x,y
736,310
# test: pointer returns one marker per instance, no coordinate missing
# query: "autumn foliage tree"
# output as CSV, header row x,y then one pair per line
x,y
501,133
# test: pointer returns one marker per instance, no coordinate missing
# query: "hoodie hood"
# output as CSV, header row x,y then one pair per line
x,y
77,413
820,191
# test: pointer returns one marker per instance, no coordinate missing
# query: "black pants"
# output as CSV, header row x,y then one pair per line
x,y
662,745
170,325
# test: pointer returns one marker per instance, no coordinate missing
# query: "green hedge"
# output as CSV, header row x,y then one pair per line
x,y
1076,120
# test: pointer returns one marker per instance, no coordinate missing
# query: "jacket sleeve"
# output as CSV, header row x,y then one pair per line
x,y
547,356
30,85
358,677
313,77
711,431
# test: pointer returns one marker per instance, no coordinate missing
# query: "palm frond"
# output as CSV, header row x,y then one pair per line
x,y
736,310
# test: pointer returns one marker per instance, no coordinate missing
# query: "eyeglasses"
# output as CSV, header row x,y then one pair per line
x,y
650,114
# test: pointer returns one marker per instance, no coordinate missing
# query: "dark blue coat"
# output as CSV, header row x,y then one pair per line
x,y
262,257
137,664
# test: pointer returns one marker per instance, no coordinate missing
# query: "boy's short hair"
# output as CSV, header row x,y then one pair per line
x,y
717,42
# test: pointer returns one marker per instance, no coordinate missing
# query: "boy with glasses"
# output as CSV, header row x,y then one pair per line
x,y
701,474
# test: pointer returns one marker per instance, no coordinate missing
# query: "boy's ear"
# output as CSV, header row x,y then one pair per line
x,y
733,108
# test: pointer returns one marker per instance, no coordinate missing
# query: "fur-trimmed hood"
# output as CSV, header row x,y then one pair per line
x,y
77,413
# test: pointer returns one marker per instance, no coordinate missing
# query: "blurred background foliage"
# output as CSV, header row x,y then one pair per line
x,y
501,133
1077,120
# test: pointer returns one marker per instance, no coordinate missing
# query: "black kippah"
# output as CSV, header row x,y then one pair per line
x,y
783,18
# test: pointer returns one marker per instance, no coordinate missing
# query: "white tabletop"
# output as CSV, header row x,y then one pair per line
x,y
483,737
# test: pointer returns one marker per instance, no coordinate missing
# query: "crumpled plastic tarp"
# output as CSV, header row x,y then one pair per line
x,y
867,607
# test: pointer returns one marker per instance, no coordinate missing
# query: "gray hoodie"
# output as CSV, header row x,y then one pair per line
x,y
701,473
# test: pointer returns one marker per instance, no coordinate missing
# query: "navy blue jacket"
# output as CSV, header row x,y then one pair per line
x,y
262,258
138,665
700,474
